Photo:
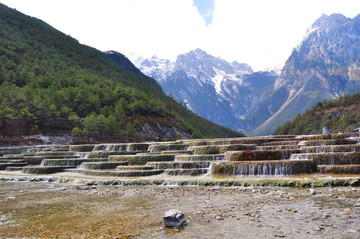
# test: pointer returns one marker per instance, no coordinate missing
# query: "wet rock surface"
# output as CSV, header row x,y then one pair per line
x,y
52,210
174,218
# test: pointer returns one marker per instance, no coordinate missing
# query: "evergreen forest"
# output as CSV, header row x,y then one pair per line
x,y
340,115
49,83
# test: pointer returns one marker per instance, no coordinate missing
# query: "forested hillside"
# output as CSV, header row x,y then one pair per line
x,y
51,83
338,115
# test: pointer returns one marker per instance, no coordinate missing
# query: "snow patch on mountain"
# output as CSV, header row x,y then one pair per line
x,y
209,86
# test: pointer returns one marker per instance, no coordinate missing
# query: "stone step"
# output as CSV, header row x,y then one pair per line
x,y
230,141
33,160
130,147
70,162
142,159
342,158
14,168
132,168
42,169
201,157
10,150
339,169
331,148
12,161
220,149
177,152
106,154
180,165
286,142
327,142
82,148
12,156
157,148
322,136
3,166
277,147
187,171
263,168
52,154
101,165
259,155
126,173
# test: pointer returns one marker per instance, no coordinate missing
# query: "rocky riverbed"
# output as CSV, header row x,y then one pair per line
x,y
53,210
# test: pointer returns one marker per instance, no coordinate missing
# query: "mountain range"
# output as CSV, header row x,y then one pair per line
x,y
325,65
220,91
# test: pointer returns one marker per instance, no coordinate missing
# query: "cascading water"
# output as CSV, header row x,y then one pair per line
x,y
263,169
83,155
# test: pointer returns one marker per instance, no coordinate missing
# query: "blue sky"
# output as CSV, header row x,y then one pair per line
x,y
206,9
261,33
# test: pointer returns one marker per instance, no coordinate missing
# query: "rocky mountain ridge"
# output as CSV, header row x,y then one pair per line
x,y
223,92
324,66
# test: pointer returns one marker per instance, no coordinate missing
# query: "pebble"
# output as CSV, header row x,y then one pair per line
x,y
312,191
318,228
281,234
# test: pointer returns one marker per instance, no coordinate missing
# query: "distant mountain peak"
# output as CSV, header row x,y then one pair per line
x,y
326,23
210,86
325,65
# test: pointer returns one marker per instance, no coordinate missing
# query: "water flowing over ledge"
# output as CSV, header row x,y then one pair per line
x,y
316,160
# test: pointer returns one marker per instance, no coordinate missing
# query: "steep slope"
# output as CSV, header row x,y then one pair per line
x,y
342,114
220,91
50,83
324,66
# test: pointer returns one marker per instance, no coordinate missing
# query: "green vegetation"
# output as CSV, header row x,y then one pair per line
x,y
51,83
338,115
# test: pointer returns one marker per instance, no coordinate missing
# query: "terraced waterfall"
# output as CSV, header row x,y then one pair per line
x,y
270,156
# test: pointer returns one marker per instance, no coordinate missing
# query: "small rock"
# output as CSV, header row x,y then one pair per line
x,y
312,191
318,228
219,218
174,218
279,235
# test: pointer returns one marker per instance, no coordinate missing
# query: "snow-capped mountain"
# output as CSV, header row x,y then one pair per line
x,y
325,65
223,92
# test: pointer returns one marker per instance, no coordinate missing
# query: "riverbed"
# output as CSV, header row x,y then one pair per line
x,y
55,210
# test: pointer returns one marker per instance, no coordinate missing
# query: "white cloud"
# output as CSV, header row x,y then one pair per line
x,y
258,32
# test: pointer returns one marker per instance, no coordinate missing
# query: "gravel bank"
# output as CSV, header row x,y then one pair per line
x,y
52,210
